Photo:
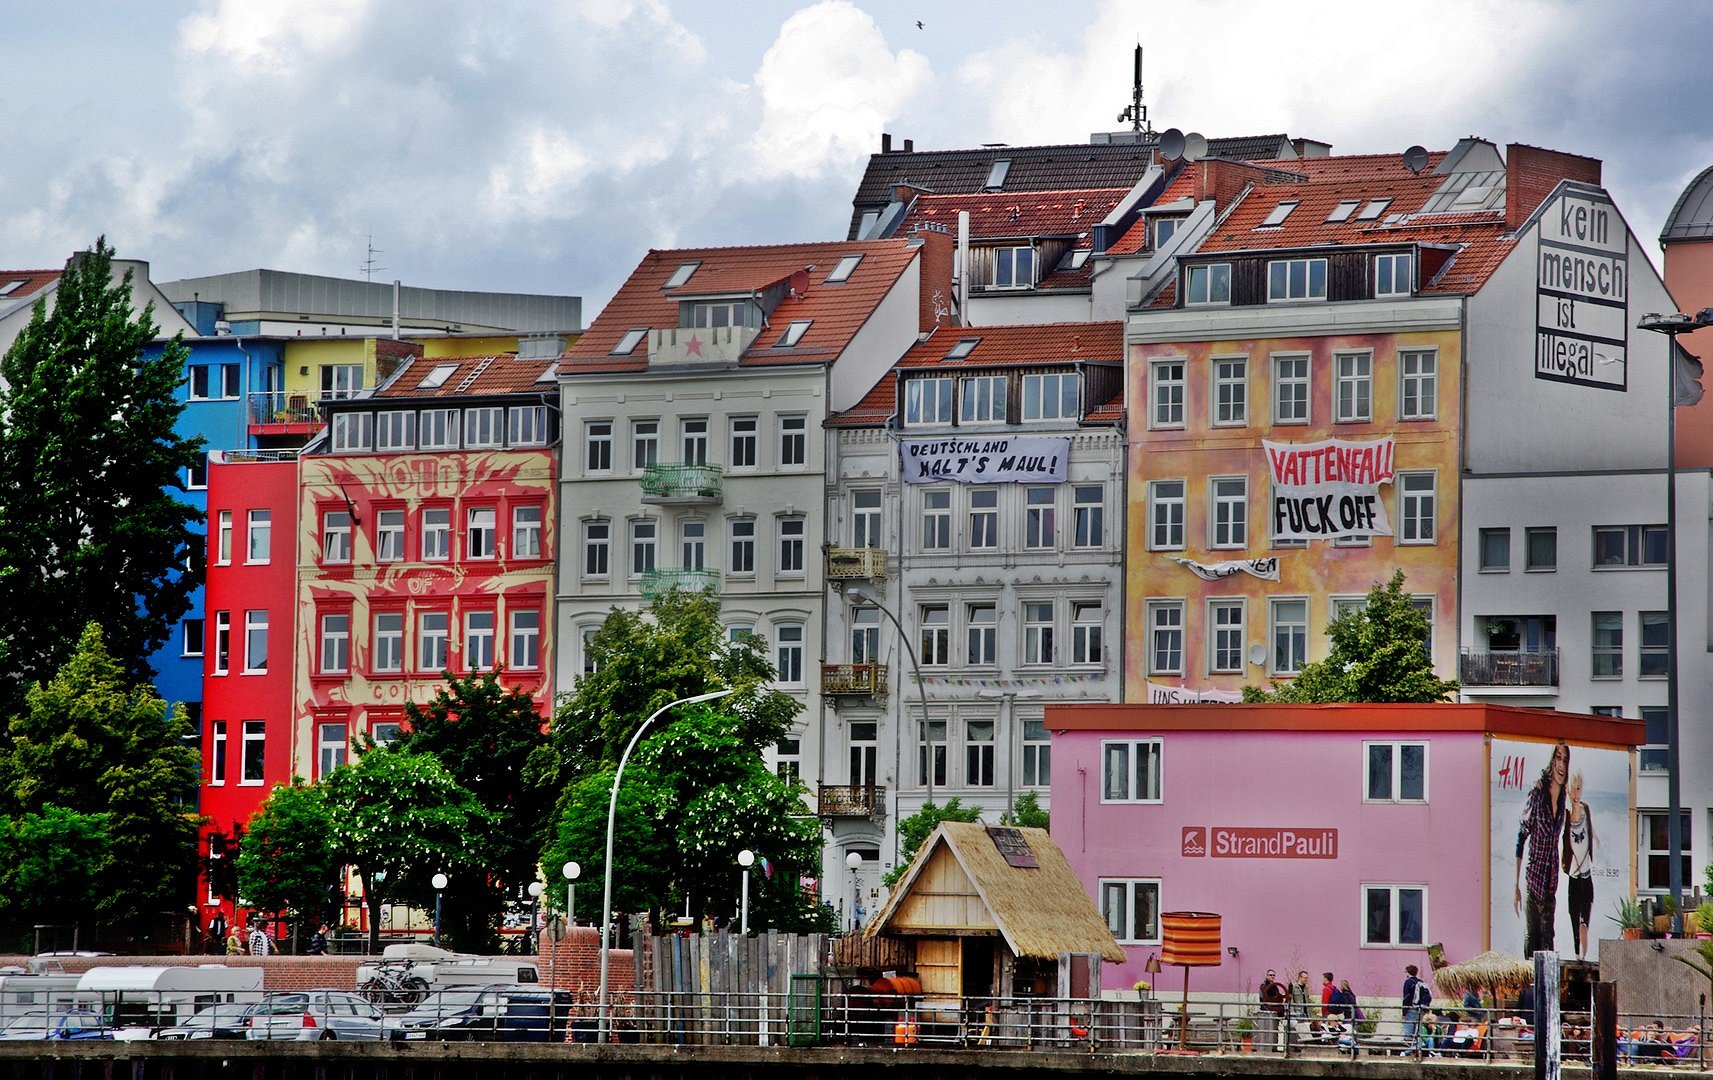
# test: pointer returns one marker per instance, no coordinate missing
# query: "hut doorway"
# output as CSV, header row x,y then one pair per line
x,y
978,967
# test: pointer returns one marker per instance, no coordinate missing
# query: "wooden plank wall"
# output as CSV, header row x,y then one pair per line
x,y
705,989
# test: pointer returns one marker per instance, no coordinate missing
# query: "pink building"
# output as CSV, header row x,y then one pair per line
x,y
1343,838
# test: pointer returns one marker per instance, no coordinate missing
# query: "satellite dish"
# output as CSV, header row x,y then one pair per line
x,y
1171,144
799,282
1257,653
1416,158
1195,146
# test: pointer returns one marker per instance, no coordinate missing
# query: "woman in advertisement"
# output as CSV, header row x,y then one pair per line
x,y
1579,846
1541,833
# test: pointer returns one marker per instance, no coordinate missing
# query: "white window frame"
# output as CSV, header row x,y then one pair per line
x,y
1065,402
1230,392
330,753
255,622
1167,405
982,400
793,539
223,539
983,518
1038,633
644,546
597,560
937,519
741,536
386,649
597,447
1274,623
1394,889
1207,285
1088,632
253,734
794,441
1409,507
1167,514
1036,754
336,537
480,643
389,535
1166,621
1156,752
217,754
1418,368
192,633
1386,269
1290,295
436,641
1228,523
353,432
1005,266
330,641
789,651
935,632
436,536
644,443
928,400
744,443
1353,370
1040,519
523,640
222,660
395,429
1395,781
1126,889
867,507
1217,628
259,527
481,533
1088,524
527,533
981,636
484,427
526,425
439,429
1305,381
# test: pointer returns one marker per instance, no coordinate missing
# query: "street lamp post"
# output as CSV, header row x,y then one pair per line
x,y
536,888
746,859
854,861
604,1026
439,882
1671,326
860,595
572,872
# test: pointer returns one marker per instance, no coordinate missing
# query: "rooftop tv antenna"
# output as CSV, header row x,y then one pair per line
x,y
1136,112
369,269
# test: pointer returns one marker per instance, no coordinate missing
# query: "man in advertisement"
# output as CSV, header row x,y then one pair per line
x,y
1539,834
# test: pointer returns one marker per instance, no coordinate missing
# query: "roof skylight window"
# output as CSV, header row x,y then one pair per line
x,y
437,377
1343,210
963,348
793,334
1080,256
680,276
996,174
1374,209
842,272
1278,215
10,287
629,342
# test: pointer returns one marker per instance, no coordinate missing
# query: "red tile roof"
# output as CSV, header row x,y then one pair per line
x,y
838,310
1004,215
33,281
1043,344
489,376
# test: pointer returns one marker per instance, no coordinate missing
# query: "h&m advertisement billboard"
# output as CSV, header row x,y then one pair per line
x,y
1559,845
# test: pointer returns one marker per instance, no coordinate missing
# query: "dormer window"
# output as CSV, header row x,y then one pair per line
x,y
1208,284
718,313
1079,257
1392,275
1374,209
1164,230
996,174
1296,279
963,348
1342,211
629,342
681,275
1278,216
842,272
437,378
793,334
1014,267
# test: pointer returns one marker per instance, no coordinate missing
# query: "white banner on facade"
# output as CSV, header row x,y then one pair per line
x,y
1179,695
1266,569
1329,489
1018,460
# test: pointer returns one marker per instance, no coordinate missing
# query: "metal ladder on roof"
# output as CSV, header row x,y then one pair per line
x,y
475,373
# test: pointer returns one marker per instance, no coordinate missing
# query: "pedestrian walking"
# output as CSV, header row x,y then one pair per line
x,y
260,943
235,942
1327,989
1417,997
1273,999
318,941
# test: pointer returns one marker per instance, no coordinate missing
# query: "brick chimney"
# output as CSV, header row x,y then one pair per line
x,y
1222,181
938,300
1531,173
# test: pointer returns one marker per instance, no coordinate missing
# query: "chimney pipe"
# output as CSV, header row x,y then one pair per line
x,y
395,309
909,145
961,265
886,142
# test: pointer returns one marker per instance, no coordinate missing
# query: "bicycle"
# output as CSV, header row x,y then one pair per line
x,y
395,983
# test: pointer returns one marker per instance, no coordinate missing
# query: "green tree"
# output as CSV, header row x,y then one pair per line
x,y
678,648
95,742
1378,653
52,865
1026,812
914,831
485,736
399,819
694,795
91,529
287,861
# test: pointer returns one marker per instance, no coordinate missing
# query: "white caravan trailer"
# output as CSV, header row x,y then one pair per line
x,y
24,991
135,1001
441,968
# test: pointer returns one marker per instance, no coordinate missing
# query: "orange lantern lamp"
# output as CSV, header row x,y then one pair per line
x,y
1189,939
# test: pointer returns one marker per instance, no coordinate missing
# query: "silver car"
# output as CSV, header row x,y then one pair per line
x,y
315,1014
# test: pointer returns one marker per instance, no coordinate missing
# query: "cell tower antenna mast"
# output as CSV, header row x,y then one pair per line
x,y
1136,112
369,268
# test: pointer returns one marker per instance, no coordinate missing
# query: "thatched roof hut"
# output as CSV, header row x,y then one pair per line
x,y
1490,971
973,885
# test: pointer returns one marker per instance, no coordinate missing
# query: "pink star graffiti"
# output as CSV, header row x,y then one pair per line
x,y
693,347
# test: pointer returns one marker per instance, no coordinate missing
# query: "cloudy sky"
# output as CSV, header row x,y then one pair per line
x,y
544,145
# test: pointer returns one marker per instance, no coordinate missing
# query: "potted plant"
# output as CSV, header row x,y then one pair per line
x,y
1628,917
1143,988
1667,907
1245,1028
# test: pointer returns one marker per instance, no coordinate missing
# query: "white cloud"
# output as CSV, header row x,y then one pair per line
x,y
828,84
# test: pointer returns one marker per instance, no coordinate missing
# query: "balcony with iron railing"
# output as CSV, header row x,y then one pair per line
x,y
658,581
856,564
1508,669
861,680
850,800
284,409
681,484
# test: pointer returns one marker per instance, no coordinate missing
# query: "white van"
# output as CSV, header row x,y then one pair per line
x,y
135,1001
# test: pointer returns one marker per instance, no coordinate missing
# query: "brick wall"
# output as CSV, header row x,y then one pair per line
x,y
278,972
1531,173
575,963
938,249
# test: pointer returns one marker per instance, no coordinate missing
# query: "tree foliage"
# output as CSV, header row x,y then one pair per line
x,y
90,527
1026,812
486,735
399,819
53,865
1378,653
287,860
678,648
914,831
95,743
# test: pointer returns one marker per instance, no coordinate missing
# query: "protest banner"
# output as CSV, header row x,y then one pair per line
x,y
1013,460
1329,489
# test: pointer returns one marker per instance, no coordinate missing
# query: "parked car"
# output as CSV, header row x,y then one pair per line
x,y
215,1022
315,1014
59,1024
500,1012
